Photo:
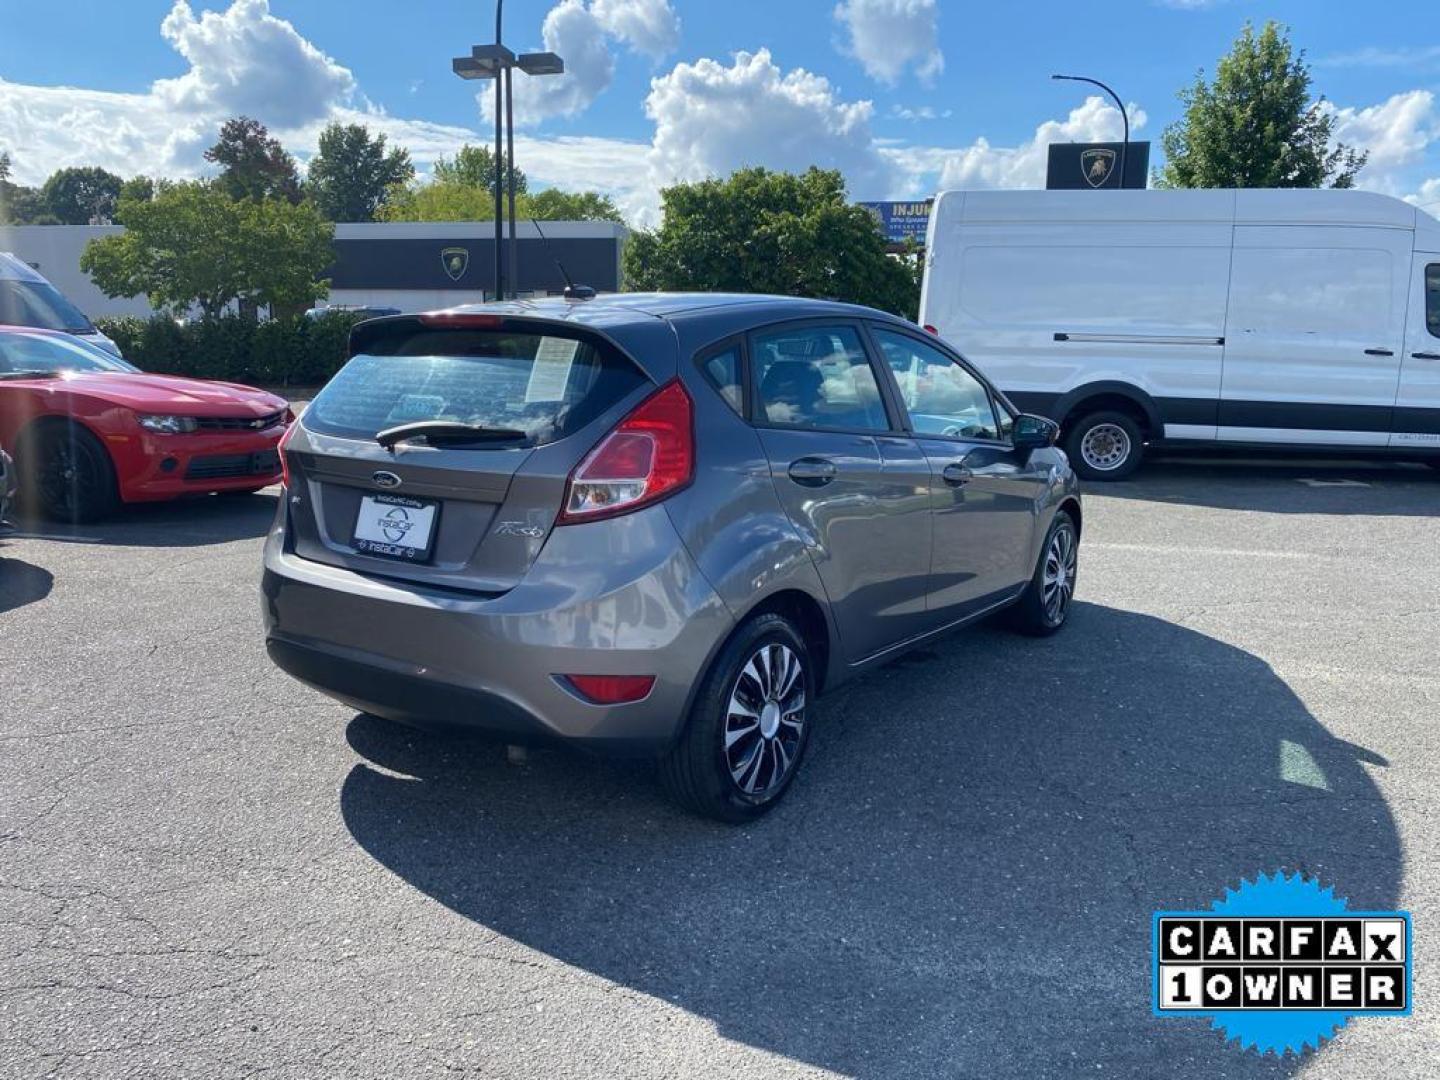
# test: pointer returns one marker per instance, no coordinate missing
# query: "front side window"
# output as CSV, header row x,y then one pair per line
x,y
941,396
47,354
817,377
1432,298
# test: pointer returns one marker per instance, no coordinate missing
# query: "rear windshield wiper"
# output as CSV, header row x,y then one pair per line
x,y
451,431
29,374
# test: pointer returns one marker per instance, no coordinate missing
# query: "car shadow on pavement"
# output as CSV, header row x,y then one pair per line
x,y
191,522
21,583
1377,489
962,880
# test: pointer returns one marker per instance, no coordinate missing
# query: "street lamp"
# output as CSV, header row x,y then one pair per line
x,y
1124,116
497,62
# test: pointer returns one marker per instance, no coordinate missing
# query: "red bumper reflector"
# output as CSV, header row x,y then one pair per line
x,y
611,689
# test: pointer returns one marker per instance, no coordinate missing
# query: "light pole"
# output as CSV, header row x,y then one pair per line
x,y
497,62
1124,116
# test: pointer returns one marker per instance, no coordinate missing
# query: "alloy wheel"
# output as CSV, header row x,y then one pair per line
x,y
765,720
1057,584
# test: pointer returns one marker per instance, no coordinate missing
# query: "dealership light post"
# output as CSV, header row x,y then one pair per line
x,y
497,62
1124,116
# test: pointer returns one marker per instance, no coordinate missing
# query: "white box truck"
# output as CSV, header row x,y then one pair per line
x,y
1252,318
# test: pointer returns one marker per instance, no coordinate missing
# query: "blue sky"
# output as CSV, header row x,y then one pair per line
x,y
904,95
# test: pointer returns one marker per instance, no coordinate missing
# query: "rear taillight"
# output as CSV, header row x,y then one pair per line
x,y
282,448
650,454
611,689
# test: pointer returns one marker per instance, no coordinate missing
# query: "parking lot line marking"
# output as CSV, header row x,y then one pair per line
x,y
1178,549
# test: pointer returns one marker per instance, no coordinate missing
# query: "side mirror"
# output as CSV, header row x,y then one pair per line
x,y
1034,432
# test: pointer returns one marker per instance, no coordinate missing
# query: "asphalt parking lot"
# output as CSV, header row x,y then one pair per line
x,y
208,870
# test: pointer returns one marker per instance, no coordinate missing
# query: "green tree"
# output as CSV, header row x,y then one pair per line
x,y
438,201
555,205
253,165
474,166
4,167
351,174
138,188
81,196
1256,124
192,245
771,232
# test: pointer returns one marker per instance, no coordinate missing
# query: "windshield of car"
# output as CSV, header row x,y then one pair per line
x,y
51,353
39,304
545,385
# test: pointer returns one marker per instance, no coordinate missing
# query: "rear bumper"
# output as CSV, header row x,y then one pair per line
x,y
436,658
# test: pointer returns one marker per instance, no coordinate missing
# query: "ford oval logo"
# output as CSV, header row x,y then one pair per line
x,y
385,479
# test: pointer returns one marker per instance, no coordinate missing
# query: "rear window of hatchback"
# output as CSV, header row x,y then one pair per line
x,y
543,382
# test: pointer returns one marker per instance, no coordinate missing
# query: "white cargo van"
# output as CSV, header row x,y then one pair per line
x,y
27,299
1303,319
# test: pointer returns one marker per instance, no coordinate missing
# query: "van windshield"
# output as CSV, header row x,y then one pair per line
x,y
543,384
39,304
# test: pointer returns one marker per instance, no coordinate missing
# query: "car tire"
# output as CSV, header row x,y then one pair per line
x,y
1044,606
747,731
1104,446
67,475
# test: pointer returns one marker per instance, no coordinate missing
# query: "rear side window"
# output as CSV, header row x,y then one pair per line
x,y
1432,298
723,371
547,385
817,377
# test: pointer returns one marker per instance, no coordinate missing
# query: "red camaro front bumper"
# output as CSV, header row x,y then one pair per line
x,y
151,467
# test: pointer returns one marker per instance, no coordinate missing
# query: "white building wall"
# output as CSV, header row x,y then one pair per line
x,y
55,251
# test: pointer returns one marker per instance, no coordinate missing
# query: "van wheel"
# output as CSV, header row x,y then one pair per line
x,y
749,726
1045,604
1104,446
67,474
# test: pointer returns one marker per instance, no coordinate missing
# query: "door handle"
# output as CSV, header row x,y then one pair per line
x,y
1379,352
812,471
956,475
1425,355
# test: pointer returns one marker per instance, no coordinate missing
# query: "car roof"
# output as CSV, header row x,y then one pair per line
x,y
611,309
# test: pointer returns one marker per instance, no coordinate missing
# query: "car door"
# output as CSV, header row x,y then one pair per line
x,y
983,493
852,482
1417,404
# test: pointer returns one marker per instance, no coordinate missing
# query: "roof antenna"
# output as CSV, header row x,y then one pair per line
x,y
572,291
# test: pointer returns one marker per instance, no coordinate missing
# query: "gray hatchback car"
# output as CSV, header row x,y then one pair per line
x,y
654,524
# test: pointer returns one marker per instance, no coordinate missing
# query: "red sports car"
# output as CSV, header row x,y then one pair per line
x,y
89,431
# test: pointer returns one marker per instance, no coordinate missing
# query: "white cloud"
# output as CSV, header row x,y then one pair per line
x,y
1428,197
582,33
647,26
1421,56
245,61
572,30
711,118
984,165
1397,133
888,36
919,112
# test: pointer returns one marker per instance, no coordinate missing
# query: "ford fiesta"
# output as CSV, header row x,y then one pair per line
x,y
654,524
89,431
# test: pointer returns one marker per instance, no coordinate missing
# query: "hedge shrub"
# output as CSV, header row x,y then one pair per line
x,y
279,352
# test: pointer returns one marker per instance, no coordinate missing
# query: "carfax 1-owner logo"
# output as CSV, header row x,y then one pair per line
x,y
1280,964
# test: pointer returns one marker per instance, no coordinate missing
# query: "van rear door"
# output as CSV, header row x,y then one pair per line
x,y
486,417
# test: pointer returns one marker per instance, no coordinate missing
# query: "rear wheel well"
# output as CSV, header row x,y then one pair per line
x,y
809,618
1110,403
